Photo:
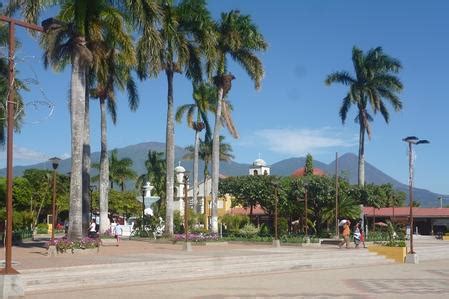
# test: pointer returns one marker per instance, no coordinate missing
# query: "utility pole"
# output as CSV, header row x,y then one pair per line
x,y
9,137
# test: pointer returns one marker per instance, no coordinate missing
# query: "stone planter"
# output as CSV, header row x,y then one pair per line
x,y
398,254
446,238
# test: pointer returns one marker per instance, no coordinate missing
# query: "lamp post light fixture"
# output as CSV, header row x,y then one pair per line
x,y
9,136
54,163
412,140
188,245
92,188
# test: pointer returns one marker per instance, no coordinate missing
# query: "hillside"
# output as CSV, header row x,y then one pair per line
x,y
347,168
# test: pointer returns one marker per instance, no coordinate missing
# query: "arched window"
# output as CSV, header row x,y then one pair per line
x,y
255,172
265,172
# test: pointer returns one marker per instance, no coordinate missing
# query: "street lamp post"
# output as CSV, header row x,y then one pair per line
x,y
144,192
9,137
187,246
412,140
91,190
55,163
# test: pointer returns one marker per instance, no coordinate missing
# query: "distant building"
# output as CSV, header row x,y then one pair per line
x,y
426,221
259,167
302,172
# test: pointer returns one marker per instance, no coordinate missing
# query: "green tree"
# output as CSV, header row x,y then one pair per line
x,y
121,170
115,59
155,165
240,39
204,96
374,84
308,169
205,154
185,30
4,89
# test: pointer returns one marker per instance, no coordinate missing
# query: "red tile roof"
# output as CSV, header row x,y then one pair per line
x,y
301,172
405,211
257,210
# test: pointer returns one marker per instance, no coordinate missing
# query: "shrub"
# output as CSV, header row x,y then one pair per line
x,y
64,245
42,228
234,222
196,237
264,230
249,231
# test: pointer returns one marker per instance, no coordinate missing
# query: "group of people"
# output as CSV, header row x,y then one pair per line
x,y
117,230
358,235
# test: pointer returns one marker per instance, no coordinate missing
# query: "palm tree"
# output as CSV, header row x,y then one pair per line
x,y
4,90
205,154
65,43
204,96
115,60
374,83
155,165
120,170
240,39
184,33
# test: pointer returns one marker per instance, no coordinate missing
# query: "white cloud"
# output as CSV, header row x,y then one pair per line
x,y
298,142
23,155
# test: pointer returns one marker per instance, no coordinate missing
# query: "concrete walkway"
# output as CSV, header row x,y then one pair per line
x,y
137,269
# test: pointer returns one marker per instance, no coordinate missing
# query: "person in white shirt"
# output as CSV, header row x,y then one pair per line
x,y
118,232
93,229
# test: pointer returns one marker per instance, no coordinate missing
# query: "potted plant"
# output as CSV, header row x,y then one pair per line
x,y
394,248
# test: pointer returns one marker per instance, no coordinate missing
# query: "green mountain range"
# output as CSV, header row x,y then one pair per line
x,y
347,165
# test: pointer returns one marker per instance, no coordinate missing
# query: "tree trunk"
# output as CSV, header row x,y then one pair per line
x,y
77,110
104,172
361,181
86,168
195,171
170,156
216,162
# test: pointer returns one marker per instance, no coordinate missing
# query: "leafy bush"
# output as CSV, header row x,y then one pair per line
x,y
196,237
248,231
177,222
64,245
264,230
282,226
42,228
234,222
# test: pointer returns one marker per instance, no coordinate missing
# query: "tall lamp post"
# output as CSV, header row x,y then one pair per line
x,y
9,137
91,190
54,163
143,192
411,140
187,246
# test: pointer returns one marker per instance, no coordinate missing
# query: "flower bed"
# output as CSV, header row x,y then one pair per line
x,y
65,245
196,237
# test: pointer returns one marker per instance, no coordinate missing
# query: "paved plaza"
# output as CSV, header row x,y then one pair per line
x,y
138,269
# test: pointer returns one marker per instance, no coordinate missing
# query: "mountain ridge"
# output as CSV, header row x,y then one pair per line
x,y
347,165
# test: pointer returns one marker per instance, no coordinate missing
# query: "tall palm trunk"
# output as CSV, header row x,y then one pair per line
x,y
195,168
77,111
86,167
361,180
170,155
216,162
104,171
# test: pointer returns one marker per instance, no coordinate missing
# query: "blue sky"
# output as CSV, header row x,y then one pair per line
x,y
294,112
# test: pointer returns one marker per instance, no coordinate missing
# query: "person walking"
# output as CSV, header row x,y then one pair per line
x,y
345,234
117,232
357,235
